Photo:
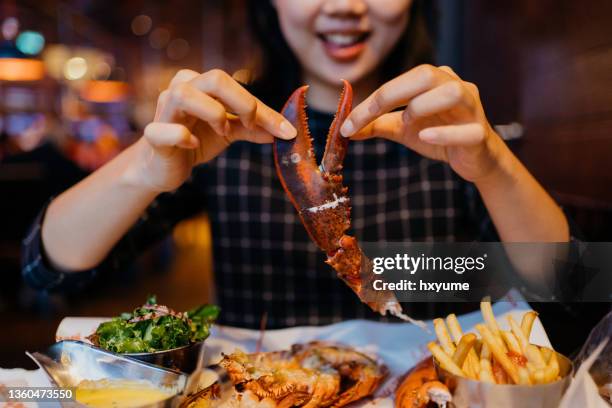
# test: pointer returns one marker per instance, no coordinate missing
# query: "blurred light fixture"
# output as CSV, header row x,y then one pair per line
x,y
141,24
21,69
159,38
30,42
55,57
16,66
102,71
75,68
10,27
177,49
105,91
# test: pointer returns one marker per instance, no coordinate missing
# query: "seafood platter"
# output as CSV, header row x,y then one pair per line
x,y
504,349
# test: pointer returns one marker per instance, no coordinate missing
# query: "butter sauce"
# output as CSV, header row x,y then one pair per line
x,y
119,393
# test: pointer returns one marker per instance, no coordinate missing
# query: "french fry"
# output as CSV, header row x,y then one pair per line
x,y
498,372
489,318
443,336
528,350
486,371
533,354
527,323
444,359
465,345
485,352
546,353
471,364
499,354
524,377
478,347
454,327
511,341
531,369
539,375
518,332
552,368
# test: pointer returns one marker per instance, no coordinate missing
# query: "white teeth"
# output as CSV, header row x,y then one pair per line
x,y
342,39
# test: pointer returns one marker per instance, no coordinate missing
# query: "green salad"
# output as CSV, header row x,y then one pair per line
x,y
153,327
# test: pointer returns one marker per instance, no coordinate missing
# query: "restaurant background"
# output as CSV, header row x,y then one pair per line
x,y
79,80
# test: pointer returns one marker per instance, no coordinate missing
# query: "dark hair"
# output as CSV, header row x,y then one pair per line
x,y
279,71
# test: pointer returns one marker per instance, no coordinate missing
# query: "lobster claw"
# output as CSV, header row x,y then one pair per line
x,y
322,201
318,195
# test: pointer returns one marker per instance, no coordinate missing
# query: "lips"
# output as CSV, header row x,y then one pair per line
x,y
344,46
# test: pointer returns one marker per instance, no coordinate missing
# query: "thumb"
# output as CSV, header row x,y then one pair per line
x,y
388,126
391,126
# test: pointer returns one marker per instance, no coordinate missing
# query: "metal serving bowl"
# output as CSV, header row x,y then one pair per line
x,y
183,358
478,394
69,362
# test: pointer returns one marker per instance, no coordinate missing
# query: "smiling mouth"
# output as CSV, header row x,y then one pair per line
x,y
344,39
344,46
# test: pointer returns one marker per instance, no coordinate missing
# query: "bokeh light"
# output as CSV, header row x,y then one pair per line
x,y
141,24
55,57
159,38
10,27
21,69
75,68
102,71
30,42
177,49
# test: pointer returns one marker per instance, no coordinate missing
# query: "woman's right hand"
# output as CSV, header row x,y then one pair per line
x,y
197,118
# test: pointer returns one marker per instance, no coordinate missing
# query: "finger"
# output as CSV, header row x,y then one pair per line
x,y
388,126
449,71
393,94
166,135
184,98
183,75
440,99
391,126
470,134
249,109
161,102
220,85
274,122
254,135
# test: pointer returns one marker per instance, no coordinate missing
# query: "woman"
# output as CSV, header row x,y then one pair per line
x,y
420,174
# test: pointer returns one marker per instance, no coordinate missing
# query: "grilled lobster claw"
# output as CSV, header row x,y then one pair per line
x,y
322,201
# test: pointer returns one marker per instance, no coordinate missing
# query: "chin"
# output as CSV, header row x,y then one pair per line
x,y
333,72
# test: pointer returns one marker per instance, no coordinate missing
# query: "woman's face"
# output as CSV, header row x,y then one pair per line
x,y
342,39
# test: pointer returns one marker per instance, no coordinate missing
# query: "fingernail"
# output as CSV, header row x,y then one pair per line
x,y
347,128
428,135
287,130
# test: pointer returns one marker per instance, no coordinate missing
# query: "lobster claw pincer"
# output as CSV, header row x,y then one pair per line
x,y
322,201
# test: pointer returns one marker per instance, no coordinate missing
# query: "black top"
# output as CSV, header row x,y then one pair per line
x,y
264,260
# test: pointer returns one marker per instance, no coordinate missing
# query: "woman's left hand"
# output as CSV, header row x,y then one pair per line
x,y
443,119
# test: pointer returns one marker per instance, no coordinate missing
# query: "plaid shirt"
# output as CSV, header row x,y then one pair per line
x,y
263,258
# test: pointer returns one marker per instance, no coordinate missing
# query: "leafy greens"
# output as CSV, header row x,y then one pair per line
x,y
153,327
